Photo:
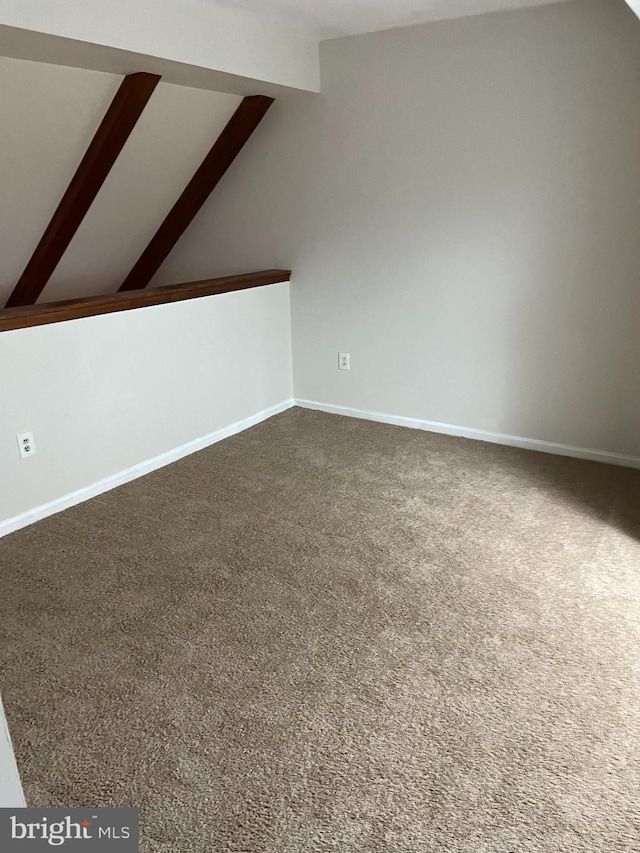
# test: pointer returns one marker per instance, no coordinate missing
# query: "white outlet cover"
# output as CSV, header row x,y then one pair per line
x,y
343,361
26,445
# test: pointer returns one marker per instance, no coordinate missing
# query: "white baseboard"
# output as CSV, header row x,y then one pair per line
x,y
477,434
10,525
111,482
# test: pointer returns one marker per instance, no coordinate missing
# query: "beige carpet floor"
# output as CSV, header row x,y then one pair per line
x,y
332,635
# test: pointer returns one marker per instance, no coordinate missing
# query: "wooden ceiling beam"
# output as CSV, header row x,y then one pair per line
x,y
114,130
73,309
224,151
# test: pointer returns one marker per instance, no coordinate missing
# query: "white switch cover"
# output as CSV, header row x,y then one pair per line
x,y
26,445
343,361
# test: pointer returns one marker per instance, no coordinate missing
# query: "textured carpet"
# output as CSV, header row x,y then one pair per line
x,y
332,635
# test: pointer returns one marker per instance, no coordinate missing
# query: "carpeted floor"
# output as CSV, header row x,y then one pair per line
x,y
331,635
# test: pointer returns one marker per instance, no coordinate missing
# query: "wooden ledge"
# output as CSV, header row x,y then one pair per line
x,y
73,309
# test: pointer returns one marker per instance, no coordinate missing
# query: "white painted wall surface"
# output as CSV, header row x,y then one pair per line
x,y
461,210
106,393
11,796
195,32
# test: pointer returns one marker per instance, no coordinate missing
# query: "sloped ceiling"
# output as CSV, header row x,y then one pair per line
x,y
54,112
331,18
185,36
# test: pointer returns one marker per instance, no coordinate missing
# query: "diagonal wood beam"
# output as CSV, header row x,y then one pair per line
x,y
120,119
224,151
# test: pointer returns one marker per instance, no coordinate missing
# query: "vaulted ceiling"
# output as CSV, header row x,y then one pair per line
x,y
55,112
344,17
109,220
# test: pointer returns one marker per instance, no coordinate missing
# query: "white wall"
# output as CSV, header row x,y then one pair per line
x,y
105,393
461,210
11,796
194,32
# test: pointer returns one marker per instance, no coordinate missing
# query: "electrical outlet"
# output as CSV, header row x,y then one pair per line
x,y
343,361
26,445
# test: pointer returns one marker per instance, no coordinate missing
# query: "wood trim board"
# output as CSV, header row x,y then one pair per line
x,y
71,309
